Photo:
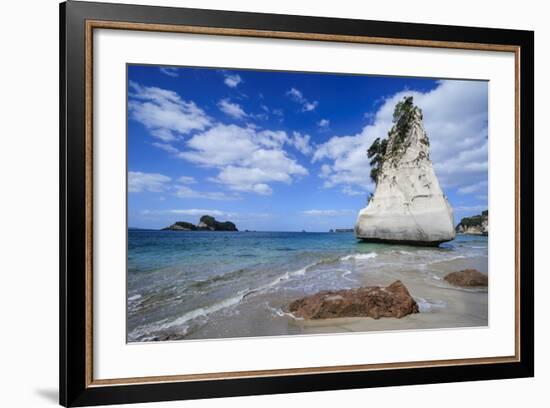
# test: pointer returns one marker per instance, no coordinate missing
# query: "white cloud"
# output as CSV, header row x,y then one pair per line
x,y
301,143
328,213
182,191
249,160
139,182
470,208
324,124
351,192
232,109
166,135
455,115
473,188
166,147
170,71
191,211
163,112
187,180
232,80
369,116
298,97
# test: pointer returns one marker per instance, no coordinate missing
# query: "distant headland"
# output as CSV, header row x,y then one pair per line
x,y
206,223
475,225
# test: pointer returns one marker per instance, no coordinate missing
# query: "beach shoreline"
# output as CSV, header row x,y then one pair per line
x,y
241,297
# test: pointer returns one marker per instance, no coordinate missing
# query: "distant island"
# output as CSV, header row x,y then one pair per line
x,y
342,230
206,223
475,225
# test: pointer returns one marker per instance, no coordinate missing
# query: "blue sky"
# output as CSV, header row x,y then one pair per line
x,y
286,151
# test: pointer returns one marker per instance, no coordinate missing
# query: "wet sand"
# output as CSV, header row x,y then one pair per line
x,y
441,304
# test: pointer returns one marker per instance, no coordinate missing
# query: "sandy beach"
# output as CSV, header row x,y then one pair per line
x,y
248,290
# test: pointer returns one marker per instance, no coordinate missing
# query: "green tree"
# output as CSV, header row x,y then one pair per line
x,y
376,154
402,119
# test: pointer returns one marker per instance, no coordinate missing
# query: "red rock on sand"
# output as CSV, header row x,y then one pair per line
x,y
371,301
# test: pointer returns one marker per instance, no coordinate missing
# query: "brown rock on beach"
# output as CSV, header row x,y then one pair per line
x,y
371,301
467,278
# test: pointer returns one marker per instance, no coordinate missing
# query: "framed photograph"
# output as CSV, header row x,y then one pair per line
x,y
257,204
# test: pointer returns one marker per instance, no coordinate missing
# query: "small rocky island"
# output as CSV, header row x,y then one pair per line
x,y
206,223
476,225
408,205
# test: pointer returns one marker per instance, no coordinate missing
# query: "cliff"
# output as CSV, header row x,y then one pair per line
x,y
476,225
408,205
206,223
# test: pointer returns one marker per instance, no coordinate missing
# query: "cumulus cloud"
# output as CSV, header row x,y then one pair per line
x,y
191,211
232,80
164,134
164,113
455,118
301,143
324,124
232,109
183,191
250,159
139,182
298,97
473,188
347,190
187,180
170,71
328,213
166,147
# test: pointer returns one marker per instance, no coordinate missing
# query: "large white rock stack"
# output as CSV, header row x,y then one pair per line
x,y
408,205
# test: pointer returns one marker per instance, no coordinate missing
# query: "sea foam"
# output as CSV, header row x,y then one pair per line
x,y
359,257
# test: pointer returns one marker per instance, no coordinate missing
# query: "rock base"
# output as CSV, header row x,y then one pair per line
x,y
402,242
371,301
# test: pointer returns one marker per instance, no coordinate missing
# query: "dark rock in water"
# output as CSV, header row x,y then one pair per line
x,y
209,223
476,225
206,223
467,278
371,301
181,226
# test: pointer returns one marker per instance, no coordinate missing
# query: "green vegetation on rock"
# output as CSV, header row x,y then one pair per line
x,y
403,116
376,153
206,223
476,224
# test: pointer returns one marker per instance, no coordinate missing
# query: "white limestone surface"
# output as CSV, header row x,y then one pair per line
x,y
408,205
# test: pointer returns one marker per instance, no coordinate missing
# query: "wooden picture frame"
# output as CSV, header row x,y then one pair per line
x,y
78,20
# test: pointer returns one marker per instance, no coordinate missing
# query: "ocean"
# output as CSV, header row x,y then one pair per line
x,y
207,285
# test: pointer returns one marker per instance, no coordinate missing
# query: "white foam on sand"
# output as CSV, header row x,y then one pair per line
x,y
345,276
180,321
281,313
427,306
359,257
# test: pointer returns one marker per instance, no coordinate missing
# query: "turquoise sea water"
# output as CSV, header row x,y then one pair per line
x,y
230,284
